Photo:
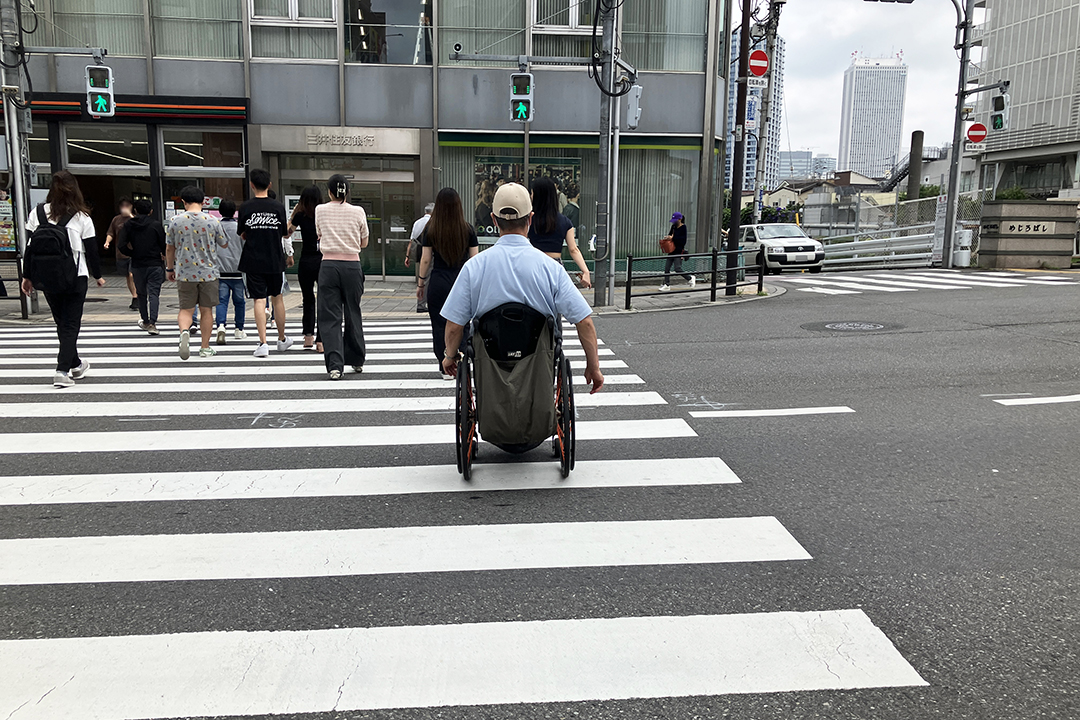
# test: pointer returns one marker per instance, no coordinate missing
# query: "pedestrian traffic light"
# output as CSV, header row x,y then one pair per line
x,y
521,97
999,112
99,91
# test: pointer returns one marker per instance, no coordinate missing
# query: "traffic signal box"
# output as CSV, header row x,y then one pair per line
x,y
521,97
999,112
99,91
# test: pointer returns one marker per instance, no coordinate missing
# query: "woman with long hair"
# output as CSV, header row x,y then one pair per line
x,y
448,241
303,219
343,233
550,229
65,206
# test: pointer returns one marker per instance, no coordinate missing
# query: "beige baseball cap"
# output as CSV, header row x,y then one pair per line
x,y
512,202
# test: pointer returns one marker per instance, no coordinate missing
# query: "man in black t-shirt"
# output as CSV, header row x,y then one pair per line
x,y
263,225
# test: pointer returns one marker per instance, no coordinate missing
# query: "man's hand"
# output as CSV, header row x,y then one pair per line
x,y
108,242
449,366
289,261
407,260
594,377
101,282
171,276
27,286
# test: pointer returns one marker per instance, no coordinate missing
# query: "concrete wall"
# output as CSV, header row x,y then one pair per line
x,y
129,74
294,94
388,96
198,78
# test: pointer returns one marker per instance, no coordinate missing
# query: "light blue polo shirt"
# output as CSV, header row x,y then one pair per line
x,y
512,270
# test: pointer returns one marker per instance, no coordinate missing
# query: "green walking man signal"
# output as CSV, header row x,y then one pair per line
x,y
99,91
521,97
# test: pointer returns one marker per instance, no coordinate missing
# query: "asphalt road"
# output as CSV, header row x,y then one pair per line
x,y
947,518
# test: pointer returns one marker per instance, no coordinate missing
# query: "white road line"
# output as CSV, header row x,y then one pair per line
x,y
311,358
284,407
908,283
963,280
168,324
1037,280
171,334
1058,400
352,669
308,437
207,370
829,291
350,383
398,550
352,482
779,412
243,348
845,285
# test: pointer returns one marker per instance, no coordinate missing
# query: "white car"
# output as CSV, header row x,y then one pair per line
x,y
785,247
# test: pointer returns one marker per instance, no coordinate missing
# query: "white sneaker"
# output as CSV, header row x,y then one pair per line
x,y
143,324
664,288
335,374
693,281
221,335
79,372
63,380
285,344
262,351
239,334
185,344
152,329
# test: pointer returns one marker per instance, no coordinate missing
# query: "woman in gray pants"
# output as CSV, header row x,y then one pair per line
x,y
343,232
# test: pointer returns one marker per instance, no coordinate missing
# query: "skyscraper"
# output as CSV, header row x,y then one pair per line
x,y
872,119
797,164
776,112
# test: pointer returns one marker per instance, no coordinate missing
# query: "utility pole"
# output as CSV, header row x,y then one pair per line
x,y
16,137
738,160
963,44
604,176
771,24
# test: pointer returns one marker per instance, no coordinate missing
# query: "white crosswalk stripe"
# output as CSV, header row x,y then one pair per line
x,y
201,441
861,283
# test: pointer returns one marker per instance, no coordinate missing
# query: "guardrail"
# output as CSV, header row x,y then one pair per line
x,y
882,248
715,270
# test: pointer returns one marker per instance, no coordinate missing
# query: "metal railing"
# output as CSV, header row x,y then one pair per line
x,y
715,270
882,248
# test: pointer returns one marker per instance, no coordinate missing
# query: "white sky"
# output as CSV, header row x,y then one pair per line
x,y
821,35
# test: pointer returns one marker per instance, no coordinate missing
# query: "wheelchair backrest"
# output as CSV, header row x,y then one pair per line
x,y
511,332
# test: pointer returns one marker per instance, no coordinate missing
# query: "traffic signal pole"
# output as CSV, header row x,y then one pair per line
x,y
738,159
603,180
963,28
766,105
12,90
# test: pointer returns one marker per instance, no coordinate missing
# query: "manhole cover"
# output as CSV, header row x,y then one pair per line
x,y
854,326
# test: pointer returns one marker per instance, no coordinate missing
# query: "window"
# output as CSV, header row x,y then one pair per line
x,y
563,28
207,29
665,35
295,29
113,24
482,26
203,148
395,32
117,145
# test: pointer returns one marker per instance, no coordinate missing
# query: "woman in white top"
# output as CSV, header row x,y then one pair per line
x,y
65,200
343,232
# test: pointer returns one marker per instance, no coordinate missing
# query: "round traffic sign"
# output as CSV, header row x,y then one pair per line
x,y
977,133
759,63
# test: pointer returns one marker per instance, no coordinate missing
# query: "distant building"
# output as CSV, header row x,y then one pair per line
x,y
872,118
823,166
796,164
773,167
1033,45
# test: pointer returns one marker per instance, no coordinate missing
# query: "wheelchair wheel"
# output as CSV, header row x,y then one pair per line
x,y
465,436
564,409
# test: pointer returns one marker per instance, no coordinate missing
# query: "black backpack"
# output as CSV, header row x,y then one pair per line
x,y
50,262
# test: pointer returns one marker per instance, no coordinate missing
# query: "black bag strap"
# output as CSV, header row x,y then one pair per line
x,y
43,219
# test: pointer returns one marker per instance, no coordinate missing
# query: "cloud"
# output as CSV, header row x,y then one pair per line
x,y
821,36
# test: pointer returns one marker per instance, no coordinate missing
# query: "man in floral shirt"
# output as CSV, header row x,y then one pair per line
x,y
191,242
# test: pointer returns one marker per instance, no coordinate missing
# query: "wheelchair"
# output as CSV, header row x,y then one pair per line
x,y
514,387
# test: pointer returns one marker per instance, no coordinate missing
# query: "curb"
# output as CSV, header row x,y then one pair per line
x,y
772,290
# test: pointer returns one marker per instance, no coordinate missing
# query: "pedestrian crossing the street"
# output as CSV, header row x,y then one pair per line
x,y
240,482
897,281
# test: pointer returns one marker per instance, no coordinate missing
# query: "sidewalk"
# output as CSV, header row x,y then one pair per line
x,y
394,299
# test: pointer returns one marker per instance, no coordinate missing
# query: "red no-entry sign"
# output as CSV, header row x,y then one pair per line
x,y
759,63
977,133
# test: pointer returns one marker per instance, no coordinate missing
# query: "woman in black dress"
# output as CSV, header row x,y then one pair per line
x,y
550,230
448,241
303,218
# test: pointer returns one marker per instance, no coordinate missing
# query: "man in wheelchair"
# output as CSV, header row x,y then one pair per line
x,y
504,342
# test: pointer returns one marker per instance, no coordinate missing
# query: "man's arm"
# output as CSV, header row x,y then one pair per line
x,y
587,336
170,261
454,333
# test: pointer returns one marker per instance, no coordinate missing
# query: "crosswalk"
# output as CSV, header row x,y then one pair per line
x,y
913,281
179,483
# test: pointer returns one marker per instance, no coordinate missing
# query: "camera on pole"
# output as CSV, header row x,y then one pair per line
x,y
99,91
521,97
